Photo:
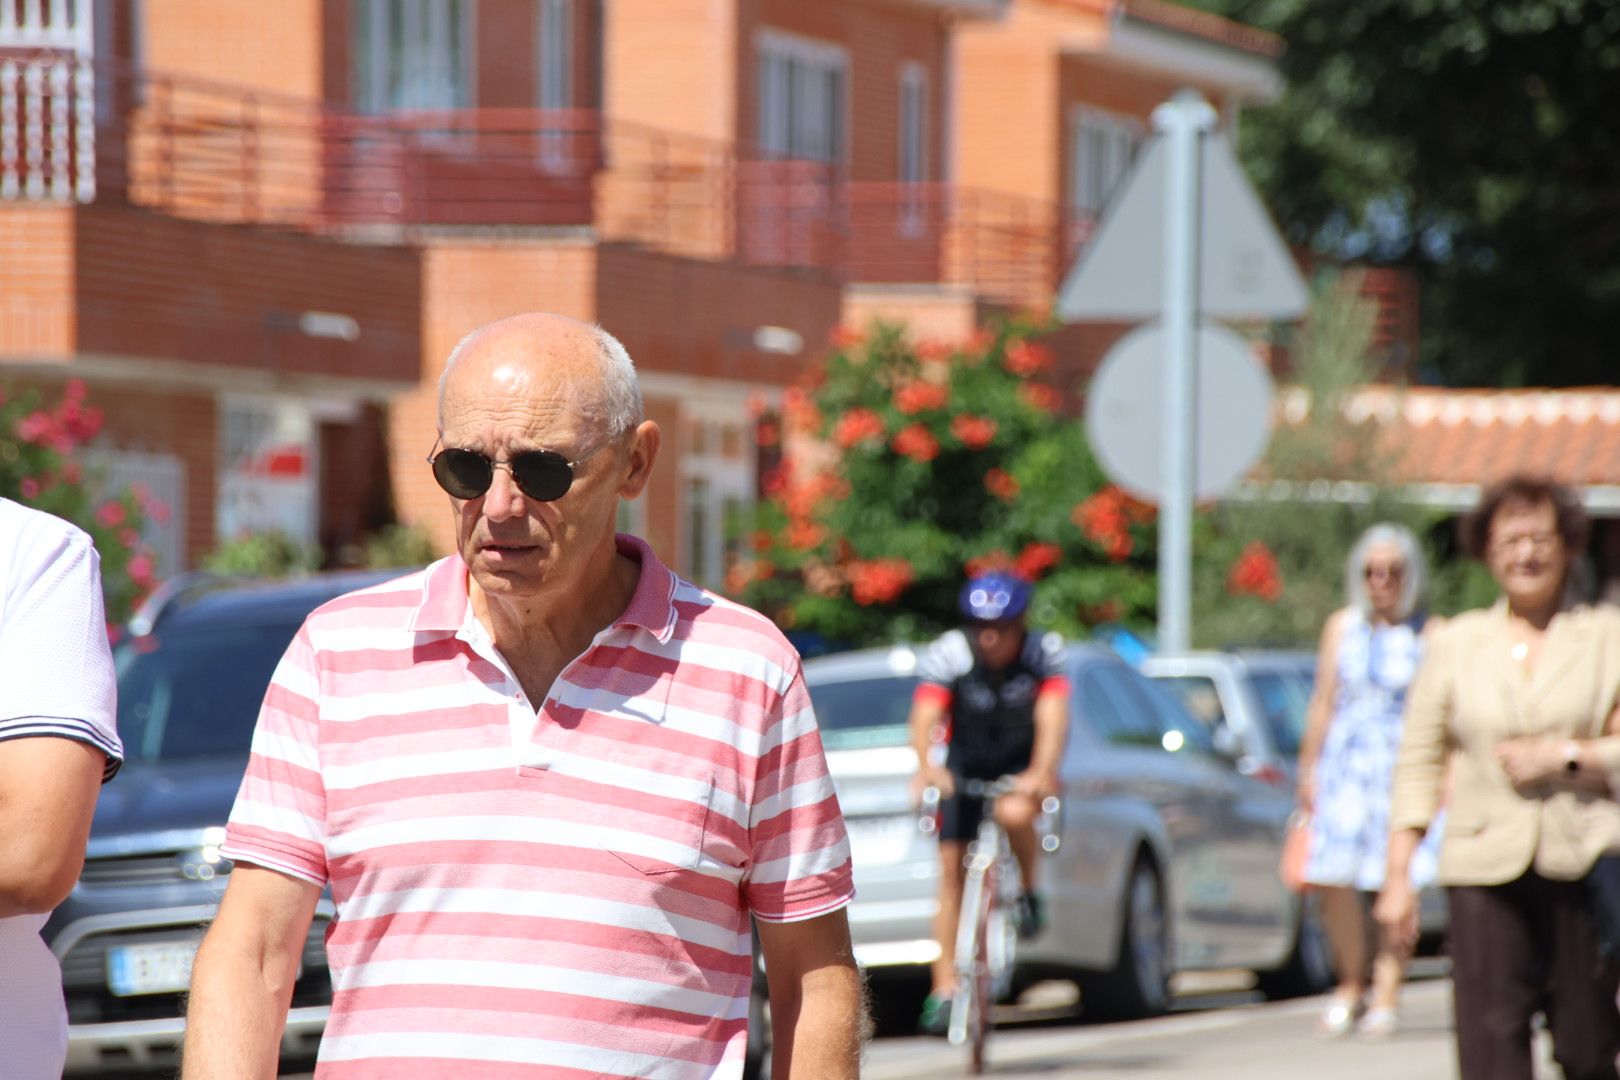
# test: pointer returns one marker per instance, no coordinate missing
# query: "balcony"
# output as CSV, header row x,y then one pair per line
x,y
76,131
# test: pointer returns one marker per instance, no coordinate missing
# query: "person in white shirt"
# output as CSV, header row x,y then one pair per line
x,y
58,745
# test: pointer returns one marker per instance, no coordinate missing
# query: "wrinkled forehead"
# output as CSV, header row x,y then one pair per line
x,y
517,385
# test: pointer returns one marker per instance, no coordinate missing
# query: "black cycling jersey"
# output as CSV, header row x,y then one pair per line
x,y
992,713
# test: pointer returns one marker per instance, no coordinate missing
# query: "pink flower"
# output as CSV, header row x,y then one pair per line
x,y
110,514
129,538
29,487
140,570
75,390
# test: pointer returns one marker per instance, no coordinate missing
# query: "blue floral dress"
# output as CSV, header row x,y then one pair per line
x,y
1350,824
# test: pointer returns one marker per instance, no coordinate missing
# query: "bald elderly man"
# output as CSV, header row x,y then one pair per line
x,y
549,783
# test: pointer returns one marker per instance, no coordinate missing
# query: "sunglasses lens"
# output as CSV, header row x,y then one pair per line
x,y
542,474
463,473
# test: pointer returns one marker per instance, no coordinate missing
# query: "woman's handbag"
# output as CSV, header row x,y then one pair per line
x,y
1296,846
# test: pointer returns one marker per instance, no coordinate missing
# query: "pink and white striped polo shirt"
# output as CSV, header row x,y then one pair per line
x,y
574,903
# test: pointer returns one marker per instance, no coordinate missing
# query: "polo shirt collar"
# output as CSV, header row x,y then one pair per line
x,y
651,608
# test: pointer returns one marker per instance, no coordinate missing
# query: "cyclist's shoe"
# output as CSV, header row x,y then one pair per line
x,y
1031,915
935,1018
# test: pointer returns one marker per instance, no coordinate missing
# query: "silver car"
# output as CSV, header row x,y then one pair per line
x,y
1168,855
1254,703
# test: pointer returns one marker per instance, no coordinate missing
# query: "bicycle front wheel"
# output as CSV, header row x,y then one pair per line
x,y
979,960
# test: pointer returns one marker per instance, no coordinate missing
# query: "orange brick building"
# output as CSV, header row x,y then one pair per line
x,y
257,229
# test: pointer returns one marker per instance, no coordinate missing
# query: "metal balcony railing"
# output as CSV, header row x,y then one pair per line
x,y
73,130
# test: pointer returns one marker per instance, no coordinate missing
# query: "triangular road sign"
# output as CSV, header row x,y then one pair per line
x,y
1245,271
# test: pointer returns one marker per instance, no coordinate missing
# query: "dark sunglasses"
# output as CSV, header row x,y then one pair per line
x,y
1394,573
544,475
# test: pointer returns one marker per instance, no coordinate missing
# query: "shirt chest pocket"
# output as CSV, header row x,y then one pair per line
x,y
657,816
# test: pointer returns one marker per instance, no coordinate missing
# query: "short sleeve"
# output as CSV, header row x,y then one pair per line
x,y
946,660
56,669
1043,654
279,820
799,865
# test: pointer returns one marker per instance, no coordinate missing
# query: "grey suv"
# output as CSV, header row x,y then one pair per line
x,y
191,675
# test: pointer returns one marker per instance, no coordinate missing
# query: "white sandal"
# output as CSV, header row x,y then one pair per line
x,y
1339,1018
1379,1024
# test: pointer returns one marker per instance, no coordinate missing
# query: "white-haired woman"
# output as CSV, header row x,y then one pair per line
x,y
1369,656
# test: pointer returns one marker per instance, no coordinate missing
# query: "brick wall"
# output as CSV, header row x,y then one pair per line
x,y
149,285
1006,98
36,281
244,43
672,64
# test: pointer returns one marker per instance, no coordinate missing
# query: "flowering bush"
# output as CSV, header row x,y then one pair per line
x,y
42,466
909,467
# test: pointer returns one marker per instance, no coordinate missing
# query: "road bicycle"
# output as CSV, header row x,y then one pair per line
x,y
987,927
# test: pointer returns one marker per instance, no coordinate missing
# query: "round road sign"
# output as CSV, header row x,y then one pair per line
x,y
1125,411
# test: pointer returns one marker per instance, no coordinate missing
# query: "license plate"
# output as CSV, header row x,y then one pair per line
x,y
150,969
880,841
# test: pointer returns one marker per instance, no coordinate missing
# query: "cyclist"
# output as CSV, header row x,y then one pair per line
x,y
993,702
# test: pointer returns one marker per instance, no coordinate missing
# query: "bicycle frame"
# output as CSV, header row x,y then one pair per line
x,y
986,935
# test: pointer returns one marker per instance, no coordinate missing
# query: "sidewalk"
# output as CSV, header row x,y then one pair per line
x,y
1245,1042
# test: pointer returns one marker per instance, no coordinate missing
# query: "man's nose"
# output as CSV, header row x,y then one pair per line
x,y
503,500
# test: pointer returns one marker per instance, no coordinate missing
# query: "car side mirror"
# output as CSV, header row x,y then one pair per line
x,y
1227,743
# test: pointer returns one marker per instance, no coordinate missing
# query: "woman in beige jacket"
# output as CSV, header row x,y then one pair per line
x,y
1517,700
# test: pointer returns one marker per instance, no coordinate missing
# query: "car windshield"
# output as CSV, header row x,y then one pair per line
x,y
195,693
1283,698
855,714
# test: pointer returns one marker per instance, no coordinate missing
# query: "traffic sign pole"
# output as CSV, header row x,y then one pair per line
x,y
1184,121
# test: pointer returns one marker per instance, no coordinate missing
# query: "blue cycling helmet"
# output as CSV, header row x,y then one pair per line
x,y
994,596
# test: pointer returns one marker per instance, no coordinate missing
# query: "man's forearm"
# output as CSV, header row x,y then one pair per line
x,y
234,1017
820,1031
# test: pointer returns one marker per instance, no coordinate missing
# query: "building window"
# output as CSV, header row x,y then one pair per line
x,y
913,158
267,450
913,124
412,54
556,90
802,90
1101,146
717,489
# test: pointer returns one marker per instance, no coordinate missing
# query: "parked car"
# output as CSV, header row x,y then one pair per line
x,y
1253,703
1259,697
191,676
1167,858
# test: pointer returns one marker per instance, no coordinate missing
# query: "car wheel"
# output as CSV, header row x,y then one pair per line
x,y
1309,968
1139,983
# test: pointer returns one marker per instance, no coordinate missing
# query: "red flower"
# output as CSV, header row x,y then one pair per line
x,y
745,573
1255,573
978,342
914,397
1036,559
845,337
804,535
75,390
975,432
916,442
1025,359
110,514
1001,484
38,427
879,581
800,412
857,426
934,352
140,570
1103,519
761,540
1040,396
766,433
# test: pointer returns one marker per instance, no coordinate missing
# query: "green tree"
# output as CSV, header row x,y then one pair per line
x,y
42,465
1475,141
1270,569
909,467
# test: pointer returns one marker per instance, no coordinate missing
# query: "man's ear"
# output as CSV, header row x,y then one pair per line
x,y
643,452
